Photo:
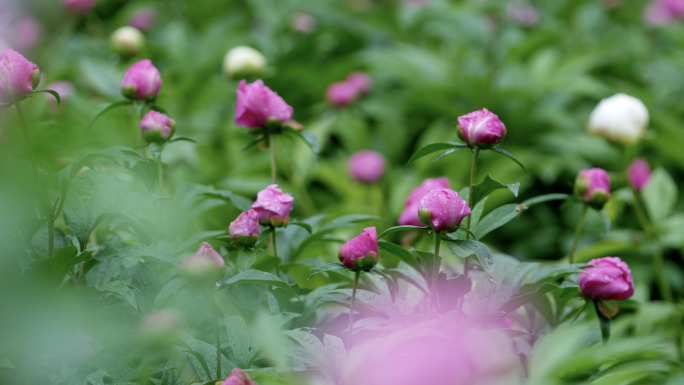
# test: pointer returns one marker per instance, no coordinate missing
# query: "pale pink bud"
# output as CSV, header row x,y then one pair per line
x,y
141,81
205,264
523,14
639,173
366,166
303,22
257,104
245,229
143,19
18,77
273,206
593,186
157,127
481,129
238,377
63,88
79,6
361,81
360,252
341,93
409,217
443,209
610,279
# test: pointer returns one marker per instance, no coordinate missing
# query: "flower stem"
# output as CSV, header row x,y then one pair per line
x,y
473,169
27,138
275,252
160,172
351,309
271,145
212,294
578,231
435,272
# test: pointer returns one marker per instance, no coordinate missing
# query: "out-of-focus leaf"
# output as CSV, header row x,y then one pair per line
x,y
398,229
337,223
489,185
51,92
120,288
327,267
169,289
259,277
104,108
434,147
238,335
401,253
510,156
660,195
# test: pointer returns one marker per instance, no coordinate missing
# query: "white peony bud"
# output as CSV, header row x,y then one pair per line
x,y
128,40
242,60
620,118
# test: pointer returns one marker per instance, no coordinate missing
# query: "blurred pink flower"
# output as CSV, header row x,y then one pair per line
x,y
157,127
79,6
523,14
273,206
360,252
361,81
203,265
63,88
257,103
29,31
366,166
341,93
303,22
481,129
409,217
245,230
442,209
610,279
143,19
238,377
639,173
18,76
141,81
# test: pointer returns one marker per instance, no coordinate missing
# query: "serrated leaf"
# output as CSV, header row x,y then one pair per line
x,y
51,92
397,229
489,185
259,277
434,147
238,335
327,267
510,156
104,108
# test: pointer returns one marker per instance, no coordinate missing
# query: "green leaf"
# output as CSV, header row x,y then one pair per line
x,y
489,185
327,267
238,335
660,195
120,288
134,200
445,153
475,249
117,152
66,259
434,147
40,240
182,138
546,198
397,229
246,259
604,323
401,253
239,202
389,281
259,277
497,218
169,289
509,155
51,92
303,225
104,108
76,215
312,140
283,318
314,353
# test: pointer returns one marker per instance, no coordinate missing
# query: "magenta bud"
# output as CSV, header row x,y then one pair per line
x,y
273,206
245,229
341,93
141,81
205,265
79,6
366,166
443,210
481,129
360,81
143,19
608,279
17,77
593,186
409,217
639,174
157,127
256,104
238,377
361,252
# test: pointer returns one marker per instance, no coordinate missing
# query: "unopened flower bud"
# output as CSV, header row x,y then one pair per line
x,y
141,81
409,217
157,127
238,377
245,229
128,41
273,206
442,210
593,186
257,104
143,19
243,61
18,77
639,174
620,118
341,93
481,129
608,279
79,6
361,82
361,252
366,166
205,265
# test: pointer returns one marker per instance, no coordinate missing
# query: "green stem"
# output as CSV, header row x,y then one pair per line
x,y
51,235
578,231
271,145
160,172
473,169
27,138
275,252
212,293
351,310
435,272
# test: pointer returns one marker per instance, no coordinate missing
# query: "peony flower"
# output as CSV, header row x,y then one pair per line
x,y
639,174
18,77
593,186
610,279
157,127
442,209
245,229
361,81
79,6
238,377
141,81
409,217
620,118
341,93
273,206
360,252
257,104
143,19
63,88
243,61
128,40
481,129
204,265
366,166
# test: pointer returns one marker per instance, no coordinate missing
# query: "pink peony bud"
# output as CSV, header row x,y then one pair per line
x,y
366,166
609,280
163,320
639,173
361,81
593,186
63,88
157,127
28,34
273,206
523,14
141,81
238,377
79,6
360,252
303,22
245,229
657,15
409,217
442,209
481,129
18,77
341,93
143,19
204,265
674,7
257,103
